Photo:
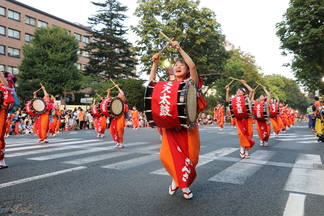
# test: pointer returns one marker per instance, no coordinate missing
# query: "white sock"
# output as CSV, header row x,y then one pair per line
x,y
186,190
242,149
2,162
246,153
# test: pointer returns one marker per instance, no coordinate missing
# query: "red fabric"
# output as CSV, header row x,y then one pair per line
x,y
258,111
3,118
164,104
245,132
117,127
238,106
263,130
274,110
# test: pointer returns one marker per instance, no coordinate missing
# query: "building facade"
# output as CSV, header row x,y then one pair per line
x,y
18,22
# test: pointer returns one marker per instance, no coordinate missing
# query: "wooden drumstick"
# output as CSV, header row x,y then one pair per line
x,y
234,79
230,82
113,82
38,90
99,96
177,47
259,84
256,87
163,48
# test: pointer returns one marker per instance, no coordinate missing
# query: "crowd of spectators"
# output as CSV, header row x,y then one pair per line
x,y
77,119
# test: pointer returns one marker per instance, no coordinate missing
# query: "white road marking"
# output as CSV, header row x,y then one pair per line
x,y
295,205
34,178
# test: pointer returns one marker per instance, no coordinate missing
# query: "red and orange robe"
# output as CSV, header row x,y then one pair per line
x,y
41,125
244,122
274,119
220,117
263,126
56,120
117,126
100,124
8,101
135,119
179,153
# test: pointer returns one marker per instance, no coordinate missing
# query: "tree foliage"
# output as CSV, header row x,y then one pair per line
x,y
50,59
288,91
197,31
133,87
301,34
111,56
240,66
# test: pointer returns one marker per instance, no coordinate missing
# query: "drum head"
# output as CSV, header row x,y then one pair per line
x,y
117,106
39,105
192,103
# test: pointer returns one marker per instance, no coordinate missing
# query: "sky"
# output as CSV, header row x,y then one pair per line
x,y
248,24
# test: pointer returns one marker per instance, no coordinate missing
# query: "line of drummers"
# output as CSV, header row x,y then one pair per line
x,y
263,112
48,114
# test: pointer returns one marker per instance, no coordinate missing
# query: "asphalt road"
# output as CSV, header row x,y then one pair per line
x,y
77,173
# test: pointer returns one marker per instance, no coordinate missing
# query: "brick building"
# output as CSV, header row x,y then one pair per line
x,y
17,24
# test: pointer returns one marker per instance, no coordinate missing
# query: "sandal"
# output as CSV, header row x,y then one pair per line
x,y
172,191
188,195
3,166
242,155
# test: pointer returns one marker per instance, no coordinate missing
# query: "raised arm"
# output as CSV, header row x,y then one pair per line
x,y
156,60
188,60
122,94
267,93
227,93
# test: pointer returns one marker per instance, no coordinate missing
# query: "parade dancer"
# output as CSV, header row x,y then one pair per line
x,y
274,118
117,125
41,125
7,88
180,148
244,121
220,116
263,124
135,118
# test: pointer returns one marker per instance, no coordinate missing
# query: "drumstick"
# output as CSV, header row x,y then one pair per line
x,y
234,78
163,48
230,82
99,96
259,84
256,87
177,47
38,90
113,82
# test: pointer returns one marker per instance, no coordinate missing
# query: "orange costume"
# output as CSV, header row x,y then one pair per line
x,y
263,126
220,117
135,119
55,121
117,127
274,119
41,125
8,101
100,124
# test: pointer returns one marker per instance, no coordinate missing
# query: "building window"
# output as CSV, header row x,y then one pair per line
x,y
41,24
78,66
13,15
13,70
85,54
2,30
77,36
2,11
79,52
84,67
2,50
13,52
85,39
30,21
28,37
2,67
13,33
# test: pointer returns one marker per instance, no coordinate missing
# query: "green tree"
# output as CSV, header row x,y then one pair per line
x,y
288,91
133,87
301,34
50,59
197,31
240,66
111,55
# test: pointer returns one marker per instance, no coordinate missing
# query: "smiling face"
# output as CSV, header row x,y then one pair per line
x,y
181,70
239,92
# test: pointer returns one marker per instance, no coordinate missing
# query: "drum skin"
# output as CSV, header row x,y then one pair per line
x,y
36,107
111,107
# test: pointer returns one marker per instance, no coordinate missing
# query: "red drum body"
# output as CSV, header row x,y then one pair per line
x,y
36,107
261,111
274,110
171,104
111,107
240,107
94,110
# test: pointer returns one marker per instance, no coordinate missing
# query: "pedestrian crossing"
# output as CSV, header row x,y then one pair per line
x,y
303,179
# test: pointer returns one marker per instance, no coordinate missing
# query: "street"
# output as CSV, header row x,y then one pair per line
x,y
77,173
